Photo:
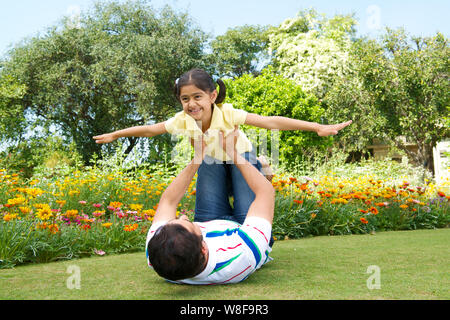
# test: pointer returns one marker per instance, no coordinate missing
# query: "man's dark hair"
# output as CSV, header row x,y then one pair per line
x,y
176,253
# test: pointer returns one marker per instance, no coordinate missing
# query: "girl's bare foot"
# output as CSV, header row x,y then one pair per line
x,y
266,169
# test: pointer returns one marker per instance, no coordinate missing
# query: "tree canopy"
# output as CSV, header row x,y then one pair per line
x,y
312,49
114,69
398,88
240,50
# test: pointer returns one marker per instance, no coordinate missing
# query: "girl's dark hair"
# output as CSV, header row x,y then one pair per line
x,y
176,253
202,80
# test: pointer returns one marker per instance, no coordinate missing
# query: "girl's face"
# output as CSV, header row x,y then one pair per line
x,y
197,103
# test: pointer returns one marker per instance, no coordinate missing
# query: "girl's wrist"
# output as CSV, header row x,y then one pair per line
x,y
317,127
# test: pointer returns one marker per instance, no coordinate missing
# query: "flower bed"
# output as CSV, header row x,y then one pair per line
x,y
334,205
96,212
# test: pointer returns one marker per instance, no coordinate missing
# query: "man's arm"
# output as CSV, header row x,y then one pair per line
x,y
283,123
167,206
264,203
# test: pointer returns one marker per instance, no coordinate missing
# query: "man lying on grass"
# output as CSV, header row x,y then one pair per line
x,y
217,251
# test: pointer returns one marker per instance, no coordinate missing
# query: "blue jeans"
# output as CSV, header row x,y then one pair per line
x,y
216,182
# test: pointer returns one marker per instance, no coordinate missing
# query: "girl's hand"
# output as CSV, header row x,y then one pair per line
x,y
105,138
332,129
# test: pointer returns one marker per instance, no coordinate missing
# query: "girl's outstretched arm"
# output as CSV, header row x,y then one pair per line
x,y
138,131
283,123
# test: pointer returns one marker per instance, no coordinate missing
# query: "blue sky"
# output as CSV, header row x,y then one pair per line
x,y
24,18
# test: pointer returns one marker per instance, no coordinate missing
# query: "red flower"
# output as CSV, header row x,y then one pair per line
x,y
298,201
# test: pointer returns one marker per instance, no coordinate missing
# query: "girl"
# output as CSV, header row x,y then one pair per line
x,y
203,116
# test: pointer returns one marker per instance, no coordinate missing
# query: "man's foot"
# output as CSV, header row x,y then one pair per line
x,y
266,169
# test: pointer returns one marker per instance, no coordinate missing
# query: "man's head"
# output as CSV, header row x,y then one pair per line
x,y
177,250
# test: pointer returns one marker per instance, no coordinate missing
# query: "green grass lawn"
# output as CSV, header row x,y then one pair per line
x,y
413,265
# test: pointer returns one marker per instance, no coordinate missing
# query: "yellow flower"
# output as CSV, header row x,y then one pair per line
x,y
71,213
339,200
149,212
136,207
41,206
16,201
107,224
61,202
25,210
404,206
74,192
44,213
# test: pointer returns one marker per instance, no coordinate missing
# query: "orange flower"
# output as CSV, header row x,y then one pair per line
x,y
373,210
115,204
364,220
53,228
304,186
313,215
9,217
363,211
293,179
298,201
130,227
404,206
42,225
441,194
381,204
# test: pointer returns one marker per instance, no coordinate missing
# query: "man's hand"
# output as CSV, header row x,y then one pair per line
x,y
332,129
199,149
228,143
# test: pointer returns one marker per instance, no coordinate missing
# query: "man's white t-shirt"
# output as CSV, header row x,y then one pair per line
x,y
235,251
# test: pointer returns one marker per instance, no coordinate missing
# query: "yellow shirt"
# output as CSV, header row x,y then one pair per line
x,y
224,118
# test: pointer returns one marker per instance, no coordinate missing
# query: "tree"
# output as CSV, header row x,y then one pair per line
x,y
240,50
114,69
12,120
399,88
271,94
312,49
